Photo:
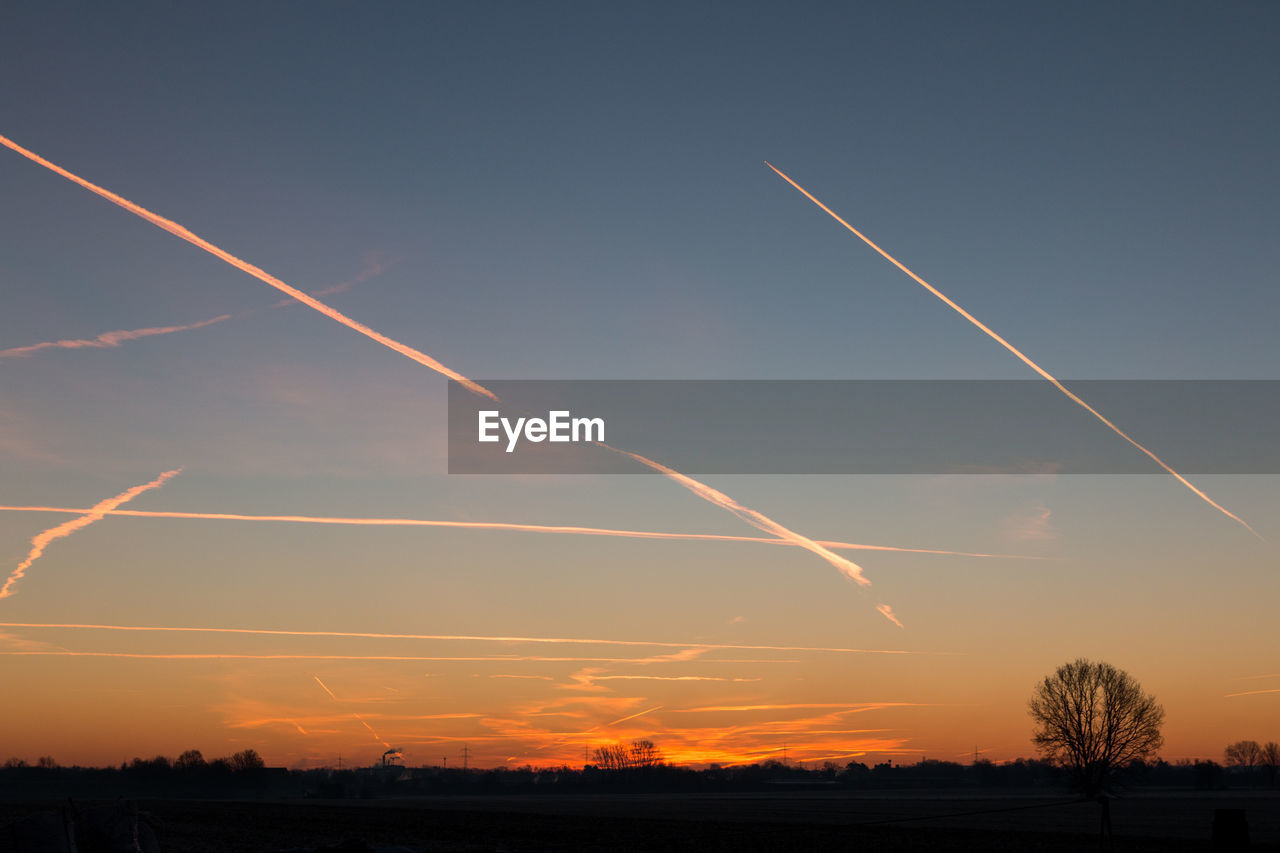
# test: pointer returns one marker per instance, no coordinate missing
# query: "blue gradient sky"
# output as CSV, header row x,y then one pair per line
x,y
570,190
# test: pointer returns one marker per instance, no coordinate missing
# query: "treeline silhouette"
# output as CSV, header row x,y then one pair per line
x,y
244,775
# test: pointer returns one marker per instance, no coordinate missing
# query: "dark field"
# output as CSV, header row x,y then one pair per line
x,y
744,822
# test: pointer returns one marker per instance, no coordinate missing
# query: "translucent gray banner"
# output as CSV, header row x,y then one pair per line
x,y
864,427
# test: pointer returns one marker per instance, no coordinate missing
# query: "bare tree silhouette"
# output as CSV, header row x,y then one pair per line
x,y
1243,753
247,760
1093,719
192,759
641,753
1271,760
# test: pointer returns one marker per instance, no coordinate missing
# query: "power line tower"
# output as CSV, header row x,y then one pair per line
x,y
465,755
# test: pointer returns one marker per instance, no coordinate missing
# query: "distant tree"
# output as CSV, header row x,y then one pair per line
x,y
46,762
612,757
641,753
159,764
190,760
1206,775
645,753
247,760
14,764
1245,754
1270,760
1093,719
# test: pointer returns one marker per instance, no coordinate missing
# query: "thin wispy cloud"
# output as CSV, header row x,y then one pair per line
x,y
851,570
336,657
1253,692
683,655
635,715
361,719
17,643
848,568
887,612
510,526
108,340
848,707
1023,357
322,719
306,299
1031,525
669,678
95,513
374,265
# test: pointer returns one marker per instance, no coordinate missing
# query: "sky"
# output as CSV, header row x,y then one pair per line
x,y
579,191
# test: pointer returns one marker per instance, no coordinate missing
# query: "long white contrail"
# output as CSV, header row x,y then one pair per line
x,y
478,638
108,339
95,513
306,299
505,525
1017,352
846,567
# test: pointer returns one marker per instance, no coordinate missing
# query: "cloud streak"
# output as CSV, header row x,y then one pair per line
x,y
1253,692
374,266
849,569
286,656
1025,359
199,242
683,655
95,513
887,612
109,339
376,736
503,525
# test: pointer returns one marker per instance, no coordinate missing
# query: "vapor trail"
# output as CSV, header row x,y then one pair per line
x,y
179,231
42,540
374,266
448,637
637,714
109,339
1017,352
1252,692
504,525
756,519
409,658
353,713
887,612
848,568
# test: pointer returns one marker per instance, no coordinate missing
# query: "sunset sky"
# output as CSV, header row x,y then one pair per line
x,y
579,191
